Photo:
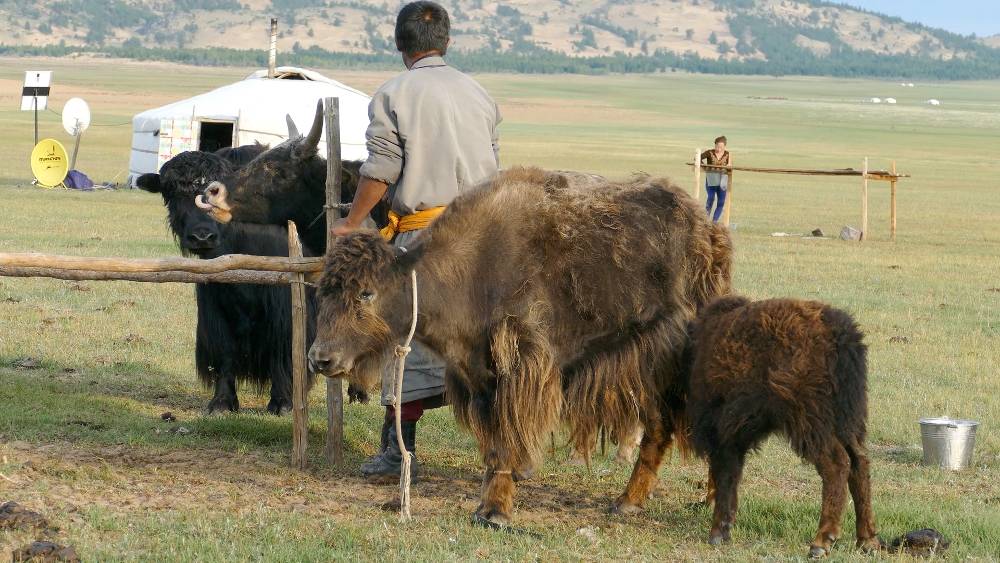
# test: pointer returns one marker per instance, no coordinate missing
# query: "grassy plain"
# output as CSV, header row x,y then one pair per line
x,y
81,439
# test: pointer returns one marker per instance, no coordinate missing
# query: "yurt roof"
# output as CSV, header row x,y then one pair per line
x,y
258,105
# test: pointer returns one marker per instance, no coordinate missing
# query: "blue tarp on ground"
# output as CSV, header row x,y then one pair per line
x,y
77,180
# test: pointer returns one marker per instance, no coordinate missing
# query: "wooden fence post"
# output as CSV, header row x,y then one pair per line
x,y
334,450
729,192
697,175
892,204
300,386
864,201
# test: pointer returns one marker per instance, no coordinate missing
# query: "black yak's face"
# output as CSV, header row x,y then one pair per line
x,y
274,185
180,180
278,185
364,306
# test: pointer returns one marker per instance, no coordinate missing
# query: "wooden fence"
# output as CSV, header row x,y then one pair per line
x,y
294,271
865,174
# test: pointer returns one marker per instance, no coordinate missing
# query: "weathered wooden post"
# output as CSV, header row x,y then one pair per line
x,y
864,200
892,204
729,192
697,175
272,51
334,387
300,385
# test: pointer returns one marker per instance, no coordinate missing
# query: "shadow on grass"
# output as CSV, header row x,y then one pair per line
x,y
55,403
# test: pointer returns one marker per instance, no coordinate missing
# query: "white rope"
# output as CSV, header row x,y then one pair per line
x,y
401,352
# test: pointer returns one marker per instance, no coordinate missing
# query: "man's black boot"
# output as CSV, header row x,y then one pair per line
x,y
371,463
385,468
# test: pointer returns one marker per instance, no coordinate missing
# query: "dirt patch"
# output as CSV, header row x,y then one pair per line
x,y
123,479
133,338
121,304
27,363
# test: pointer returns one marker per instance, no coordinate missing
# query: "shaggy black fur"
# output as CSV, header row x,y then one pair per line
x,y
244,330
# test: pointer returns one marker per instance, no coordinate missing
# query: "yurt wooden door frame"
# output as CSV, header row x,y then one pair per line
x,y
212,123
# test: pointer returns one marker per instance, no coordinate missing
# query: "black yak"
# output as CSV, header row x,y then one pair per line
x,y
244,330
781,366
287,182
549,301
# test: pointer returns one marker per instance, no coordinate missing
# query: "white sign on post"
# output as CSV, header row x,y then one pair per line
x,y
36,89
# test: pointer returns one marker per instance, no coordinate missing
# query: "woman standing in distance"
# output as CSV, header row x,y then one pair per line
x,y
716,181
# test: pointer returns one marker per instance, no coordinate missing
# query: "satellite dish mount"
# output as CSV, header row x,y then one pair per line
x,y
35,94
75,120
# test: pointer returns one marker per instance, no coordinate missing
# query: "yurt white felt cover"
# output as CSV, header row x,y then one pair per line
x,y
256,107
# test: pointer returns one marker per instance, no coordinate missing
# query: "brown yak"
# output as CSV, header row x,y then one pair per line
x,y
548,301
788,366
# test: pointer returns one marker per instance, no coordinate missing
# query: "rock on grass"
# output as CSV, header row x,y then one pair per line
x,y
13,516
45,551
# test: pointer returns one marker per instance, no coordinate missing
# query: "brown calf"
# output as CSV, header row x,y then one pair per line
x,y
788,366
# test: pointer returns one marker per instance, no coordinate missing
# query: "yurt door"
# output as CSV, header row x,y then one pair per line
x,y
216,135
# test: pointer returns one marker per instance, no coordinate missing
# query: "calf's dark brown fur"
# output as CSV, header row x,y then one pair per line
x,y
781,366
550,299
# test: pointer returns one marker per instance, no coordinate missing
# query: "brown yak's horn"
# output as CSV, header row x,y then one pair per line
x,y
312,140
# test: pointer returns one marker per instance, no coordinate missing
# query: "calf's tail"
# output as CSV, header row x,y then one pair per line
x,y
849,374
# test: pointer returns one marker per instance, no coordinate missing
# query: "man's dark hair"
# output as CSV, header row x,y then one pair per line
x,y
722,140
421,27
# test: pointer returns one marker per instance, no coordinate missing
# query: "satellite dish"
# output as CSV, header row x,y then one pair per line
x,y
49,163
76,116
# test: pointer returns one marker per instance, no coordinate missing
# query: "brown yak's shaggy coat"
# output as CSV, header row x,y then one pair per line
x,y
788,366
550,300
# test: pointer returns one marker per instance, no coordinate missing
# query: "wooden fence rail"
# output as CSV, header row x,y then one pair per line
x,y
865,174
232,276
225,263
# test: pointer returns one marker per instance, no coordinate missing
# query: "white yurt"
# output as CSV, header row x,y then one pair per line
x,y
251,110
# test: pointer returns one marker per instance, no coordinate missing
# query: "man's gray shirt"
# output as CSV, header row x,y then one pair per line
x,y
433,134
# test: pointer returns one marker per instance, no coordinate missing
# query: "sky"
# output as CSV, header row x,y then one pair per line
x,y
981,17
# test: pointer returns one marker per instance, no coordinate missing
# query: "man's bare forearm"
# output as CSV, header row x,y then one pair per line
x,y
369,193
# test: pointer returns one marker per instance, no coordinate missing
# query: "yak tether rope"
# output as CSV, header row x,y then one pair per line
x,y
400,353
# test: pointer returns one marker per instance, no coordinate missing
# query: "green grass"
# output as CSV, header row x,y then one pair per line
x,y
83,441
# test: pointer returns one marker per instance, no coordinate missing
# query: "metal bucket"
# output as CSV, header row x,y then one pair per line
x,y
948,443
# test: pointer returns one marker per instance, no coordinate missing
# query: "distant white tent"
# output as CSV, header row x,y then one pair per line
x,y
876,100
934,102
251,110
890,100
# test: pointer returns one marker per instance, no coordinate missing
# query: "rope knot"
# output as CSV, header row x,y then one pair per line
x,y
402,351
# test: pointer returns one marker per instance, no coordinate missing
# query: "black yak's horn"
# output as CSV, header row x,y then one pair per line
x,y
312,140
293,131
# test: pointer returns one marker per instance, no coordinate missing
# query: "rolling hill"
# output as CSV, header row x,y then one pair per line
x,y
753,36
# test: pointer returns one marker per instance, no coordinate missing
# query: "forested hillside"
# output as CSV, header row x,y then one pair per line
x,y
725,36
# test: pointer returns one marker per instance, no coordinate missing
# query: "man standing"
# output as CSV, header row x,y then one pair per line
x,y
433,134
